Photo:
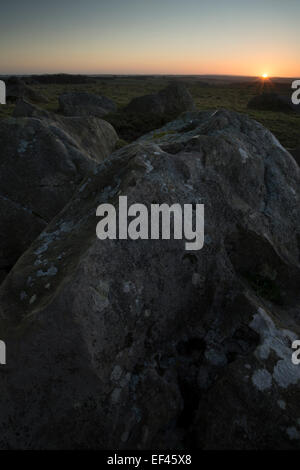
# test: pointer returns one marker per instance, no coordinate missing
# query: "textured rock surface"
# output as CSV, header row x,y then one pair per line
x,y
141,344
171,101
42,162
25,109
85,104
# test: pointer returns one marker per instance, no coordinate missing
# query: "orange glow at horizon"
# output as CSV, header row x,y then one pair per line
x,y
150,59
118,61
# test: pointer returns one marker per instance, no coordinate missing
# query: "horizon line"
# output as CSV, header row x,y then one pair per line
x,y
143,74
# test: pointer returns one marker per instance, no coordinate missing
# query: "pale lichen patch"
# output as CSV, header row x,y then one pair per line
x,y
281,404
52,271
262,379
277,340
293,433
243,154
32,299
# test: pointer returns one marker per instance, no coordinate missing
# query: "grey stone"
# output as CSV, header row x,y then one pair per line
x,y
172,101
85,104
42,163
68,346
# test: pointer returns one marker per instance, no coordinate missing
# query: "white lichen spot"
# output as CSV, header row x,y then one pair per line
x,y
262,379
47,239
23,146
243,154
66,226
32,299
127,285
286,373
116,373
52,271
281,404
293,433
41,249
149,167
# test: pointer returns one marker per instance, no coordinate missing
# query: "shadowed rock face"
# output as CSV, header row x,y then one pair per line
x,y
25,109
142,344
16,88
171,101
85,104
272,102
42,163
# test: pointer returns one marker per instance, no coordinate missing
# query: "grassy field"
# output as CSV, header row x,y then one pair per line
x,y
233,96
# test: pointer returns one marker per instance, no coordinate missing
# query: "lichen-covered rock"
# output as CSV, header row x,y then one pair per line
x,y
42,163
171,101
142,344
85,104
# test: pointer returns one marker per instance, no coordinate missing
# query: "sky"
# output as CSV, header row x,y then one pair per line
x,y
230,37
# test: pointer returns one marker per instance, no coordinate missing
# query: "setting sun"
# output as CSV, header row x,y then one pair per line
x,y
265,75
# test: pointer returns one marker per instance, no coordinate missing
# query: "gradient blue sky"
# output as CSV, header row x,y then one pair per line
x,y
151,36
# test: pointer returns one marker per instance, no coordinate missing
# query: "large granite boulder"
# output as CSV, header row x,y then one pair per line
x,y
171,101
42,163
85,104
143,344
